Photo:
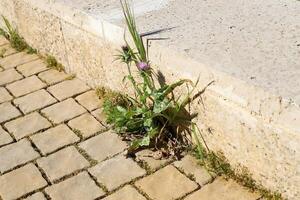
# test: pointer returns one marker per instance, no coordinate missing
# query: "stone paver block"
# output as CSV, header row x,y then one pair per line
x,y
25,86
20,182
167,183
121,169
8,111
34,101
32,68
103,146
100,116
62,163
149,157
17,59
53,76
54,138
78,187
126,193
90,100
4,95
16,154
189,165
86,124
68,89
222,189
6,50
36,196
63,111
9,76
4,137
27,125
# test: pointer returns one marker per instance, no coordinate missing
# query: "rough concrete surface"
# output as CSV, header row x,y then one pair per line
x,y
256,41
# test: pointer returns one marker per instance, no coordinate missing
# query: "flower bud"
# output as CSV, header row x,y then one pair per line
x,y
143,66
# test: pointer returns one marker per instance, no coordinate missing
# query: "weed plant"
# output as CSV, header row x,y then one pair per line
x,y
53,63
154,116
15,39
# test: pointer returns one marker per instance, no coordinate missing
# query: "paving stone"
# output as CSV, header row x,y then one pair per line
x,y
4,95
100,116
86,124
62,163
20,182
149,157
32,67
222,189
4,137
54,138
17,59
6,50
16,154
116,172
9,76
34,101
78,187
189,165
90,100
8,111
63,111
68,89
36,196
25,86
53,76
126,193
167,183
27,125
103,146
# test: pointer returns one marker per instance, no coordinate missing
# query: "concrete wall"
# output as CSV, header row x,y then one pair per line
x,y
252,127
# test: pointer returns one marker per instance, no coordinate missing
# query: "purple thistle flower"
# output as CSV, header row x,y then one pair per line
x,y
143,66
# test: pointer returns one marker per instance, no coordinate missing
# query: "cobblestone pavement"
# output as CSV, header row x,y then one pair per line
x,y
54,145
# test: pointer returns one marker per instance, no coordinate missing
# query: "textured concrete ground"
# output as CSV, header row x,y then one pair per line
x,y
54,145
256,41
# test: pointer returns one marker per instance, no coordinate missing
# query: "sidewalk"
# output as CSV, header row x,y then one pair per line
x,y
54,145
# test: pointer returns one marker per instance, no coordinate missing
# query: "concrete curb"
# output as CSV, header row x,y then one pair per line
x,y
252,127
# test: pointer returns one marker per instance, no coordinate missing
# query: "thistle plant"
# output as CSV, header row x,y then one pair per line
x,y
155,116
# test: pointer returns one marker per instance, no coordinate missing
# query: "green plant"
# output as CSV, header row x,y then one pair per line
x,y
217,164
154,116
15,39
53,63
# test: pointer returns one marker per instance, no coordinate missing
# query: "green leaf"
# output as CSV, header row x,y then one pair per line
x,y
160,106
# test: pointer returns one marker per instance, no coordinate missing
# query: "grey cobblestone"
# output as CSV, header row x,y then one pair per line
x,y
21,182
17,59
63,111
68,89
27,125
9,76
8,112
25,86
34,101
16,154
78,187
4,95
52,76
62,163
32,68
54,138
123,171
